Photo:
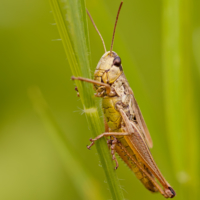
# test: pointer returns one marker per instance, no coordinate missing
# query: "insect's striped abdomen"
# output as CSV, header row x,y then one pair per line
x,y
112,116
126,158
114,119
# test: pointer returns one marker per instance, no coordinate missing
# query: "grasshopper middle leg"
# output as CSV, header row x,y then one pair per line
x,y
112,143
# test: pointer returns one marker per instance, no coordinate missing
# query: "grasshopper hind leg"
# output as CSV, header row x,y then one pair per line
x,y
170,191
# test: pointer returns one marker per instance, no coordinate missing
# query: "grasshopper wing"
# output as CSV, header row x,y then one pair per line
x,y
137,143
141,122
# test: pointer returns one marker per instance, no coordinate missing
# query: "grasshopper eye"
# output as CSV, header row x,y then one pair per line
x,y
117,61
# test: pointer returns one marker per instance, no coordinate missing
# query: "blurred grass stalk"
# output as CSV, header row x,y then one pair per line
x,y
70,17
80,177
182,127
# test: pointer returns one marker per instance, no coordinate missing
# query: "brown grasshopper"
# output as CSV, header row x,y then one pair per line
x,y
124,123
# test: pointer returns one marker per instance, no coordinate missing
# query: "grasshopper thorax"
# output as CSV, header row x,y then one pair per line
x,y
109,68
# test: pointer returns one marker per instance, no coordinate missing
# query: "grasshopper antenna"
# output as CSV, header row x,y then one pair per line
x,y
104,46
115,26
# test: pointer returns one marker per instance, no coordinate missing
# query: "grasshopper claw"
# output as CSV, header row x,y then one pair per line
x,y
88,147
76,89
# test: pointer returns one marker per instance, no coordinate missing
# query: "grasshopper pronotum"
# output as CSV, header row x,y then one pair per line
x,y
124,123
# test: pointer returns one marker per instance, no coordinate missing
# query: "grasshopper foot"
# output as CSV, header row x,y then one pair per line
x,y
170,192
76,89
73,78
89,146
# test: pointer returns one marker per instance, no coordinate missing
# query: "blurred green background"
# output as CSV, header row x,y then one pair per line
x,y
31,54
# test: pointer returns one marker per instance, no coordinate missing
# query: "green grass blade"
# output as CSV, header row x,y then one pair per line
x,y
70,17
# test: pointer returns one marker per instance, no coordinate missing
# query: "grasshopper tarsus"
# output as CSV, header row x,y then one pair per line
x,y
92,143
172,191
116,162
88,147
76,89
73,77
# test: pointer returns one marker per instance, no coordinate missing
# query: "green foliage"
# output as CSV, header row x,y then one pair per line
x,y
180,105
159,45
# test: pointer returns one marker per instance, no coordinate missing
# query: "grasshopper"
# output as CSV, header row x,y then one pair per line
x,y
124,123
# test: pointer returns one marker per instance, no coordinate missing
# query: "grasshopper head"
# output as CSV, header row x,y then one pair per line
x,y
109,68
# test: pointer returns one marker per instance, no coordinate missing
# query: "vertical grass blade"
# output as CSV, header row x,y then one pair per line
x,y
70,17
179,93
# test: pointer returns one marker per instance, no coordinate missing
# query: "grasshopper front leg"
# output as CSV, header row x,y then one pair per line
x,y
107,86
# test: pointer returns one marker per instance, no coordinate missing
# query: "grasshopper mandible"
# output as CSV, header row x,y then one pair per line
x,y
124,123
